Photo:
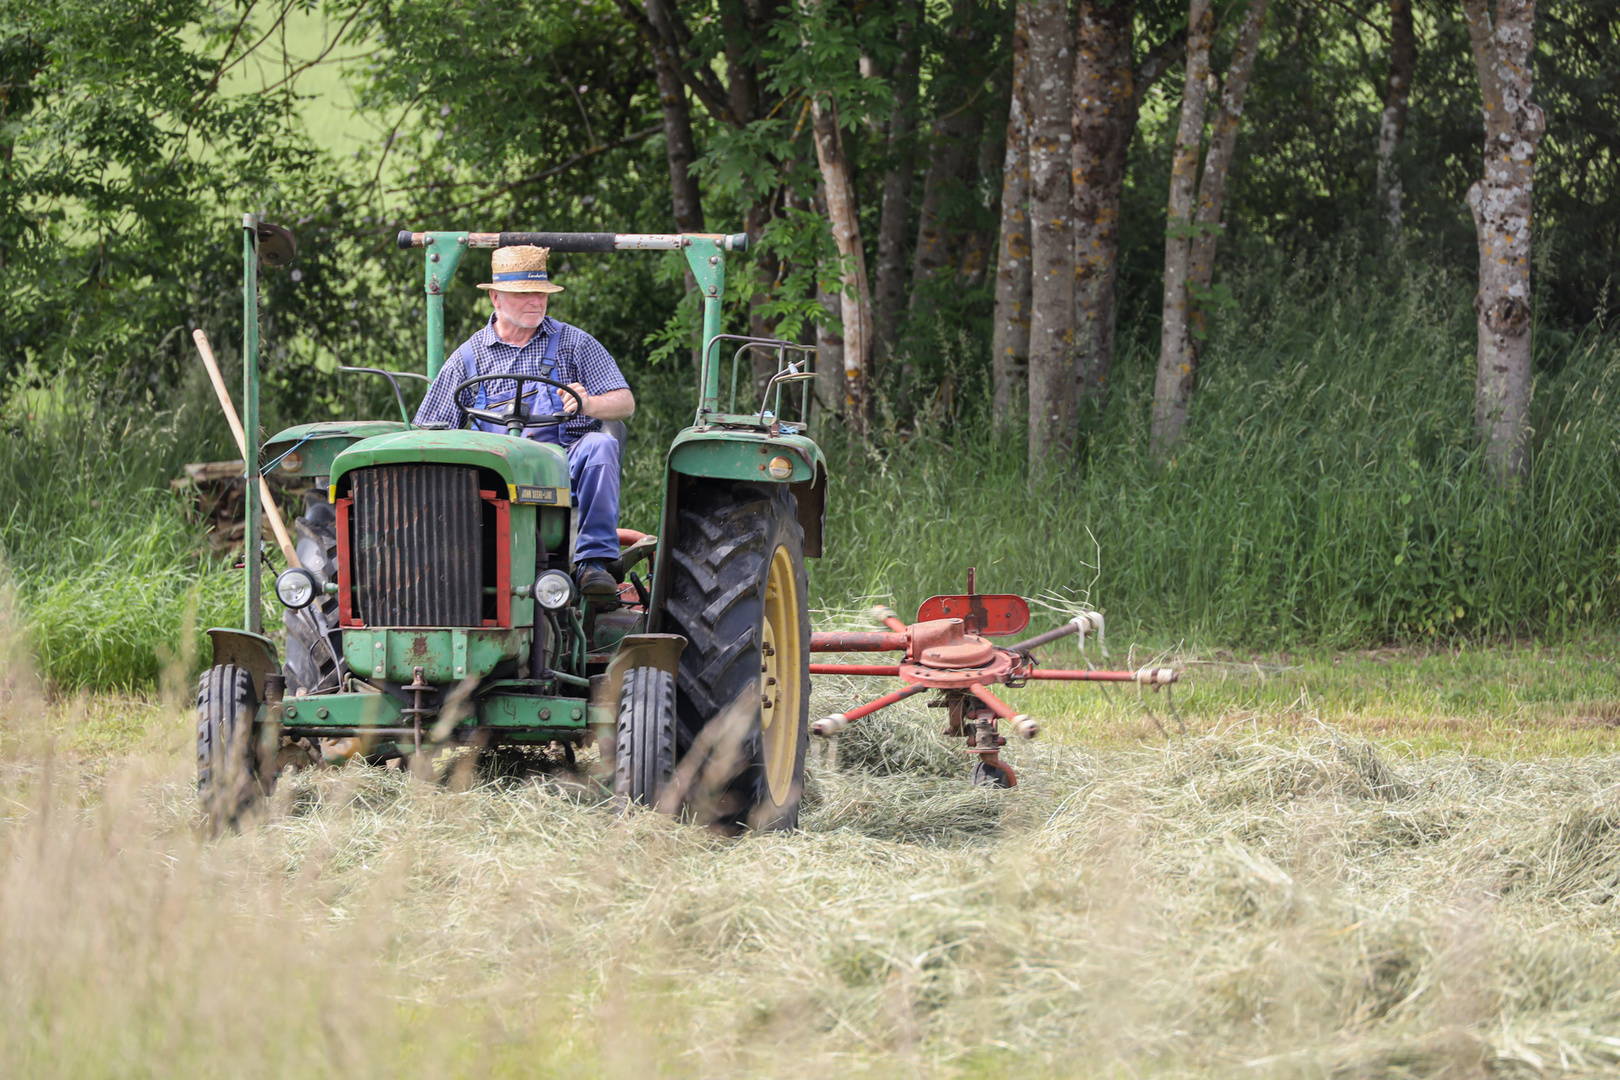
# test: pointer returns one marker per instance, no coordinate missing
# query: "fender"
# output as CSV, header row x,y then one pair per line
x,y
254,653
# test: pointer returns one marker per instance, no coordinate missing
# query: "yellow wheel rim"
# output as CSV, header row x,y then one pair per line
x,y
781,686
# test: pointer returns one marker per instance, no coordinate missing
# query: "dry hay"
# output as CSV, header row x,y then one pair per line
x,y
1219,905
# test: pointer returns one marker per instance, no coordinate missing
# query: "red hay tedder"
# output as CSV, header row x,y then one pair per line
x,y
946,650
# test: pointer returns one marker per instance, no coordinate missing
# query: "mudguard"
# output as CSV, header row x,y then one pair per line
x,y
252,652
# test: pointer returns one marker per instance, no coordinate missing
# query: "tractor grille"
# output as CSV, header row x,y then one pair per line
x,y
418,546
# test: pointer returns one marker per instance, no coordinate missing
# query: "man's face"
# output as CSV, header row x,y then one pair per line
x,y
520,309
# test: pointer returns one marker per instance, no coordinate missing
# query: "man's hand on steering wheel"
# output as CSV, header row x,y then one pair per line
x,y
581,397
515,419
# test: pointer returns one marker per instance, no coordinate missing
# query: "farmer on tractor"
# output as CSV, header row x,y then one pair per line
x,y
522,340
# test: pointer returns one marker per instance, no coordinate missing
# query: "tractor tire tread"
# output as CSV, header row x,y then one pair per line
x,y
644,741
227,773
718,563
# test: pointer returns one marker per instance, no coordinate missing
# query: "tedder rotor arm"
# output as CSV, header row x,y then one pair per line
x,y
950,655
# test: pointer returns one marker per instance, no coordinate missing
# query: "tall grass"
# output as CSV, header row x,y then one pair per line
x,y
113,579
1216,906
1329,489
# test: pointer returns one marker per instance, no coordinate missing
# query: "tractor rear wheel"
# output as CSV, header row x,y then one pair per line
x,y
644,744
314,642
227,755
737,592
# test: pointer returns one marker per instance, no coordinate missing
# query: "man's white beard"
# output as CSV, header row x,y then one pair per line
x,y
527,320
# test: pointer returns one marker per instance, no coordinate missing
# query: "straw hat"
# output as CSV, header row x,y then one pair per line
x,y
520,269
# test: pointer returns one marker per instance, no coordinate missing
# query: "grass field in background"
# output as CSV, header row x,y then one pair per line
x,y
1328,495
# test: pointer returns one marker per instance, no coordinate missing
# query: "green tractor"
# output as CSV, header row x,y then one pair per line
x,y
435,604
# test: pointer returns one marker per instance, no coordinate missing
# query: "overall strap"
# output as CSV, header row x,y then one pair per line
x,y
471,360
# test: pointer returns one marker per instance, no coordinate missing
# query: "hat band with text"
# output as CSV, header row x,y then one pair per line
x,y
522,275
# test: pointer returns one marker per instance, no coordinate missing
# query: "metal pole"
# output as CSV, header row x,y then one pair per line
x,y
708,264
253,524
443,255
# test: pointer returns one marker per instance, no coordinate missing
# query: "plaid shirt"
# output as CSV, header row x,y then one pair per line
x,y
580,358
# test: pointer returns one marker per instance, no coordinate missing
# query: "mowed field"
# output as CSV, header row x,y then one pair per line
x,y
1390,864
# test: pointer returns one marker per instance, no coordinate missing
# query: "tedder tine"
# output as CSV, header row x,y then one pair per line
x,y
1146,676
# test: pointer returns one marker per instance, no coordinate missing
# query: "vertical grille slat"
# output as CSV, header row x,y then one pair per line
x,y
418,550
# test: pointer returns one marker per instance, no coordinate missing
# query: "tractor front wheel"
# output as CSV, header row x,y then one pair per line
x,y
227,757
738,594
644,742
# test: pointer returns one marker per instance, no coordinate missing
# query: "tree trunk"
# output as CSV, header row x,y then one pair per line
x,y
951,156
895,220
1009,345
766,268
679,146
829,353
685,197
1501,205
975,261
1105,110
1051,342
1392,128
1212,184
855,303
1173,386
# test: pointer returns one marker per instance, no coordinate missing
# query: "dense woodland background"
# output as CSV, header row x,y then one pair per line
x,y
891,163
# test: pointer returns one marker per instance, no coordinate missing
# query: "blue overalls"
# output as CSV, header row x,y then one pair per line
x,y
593,464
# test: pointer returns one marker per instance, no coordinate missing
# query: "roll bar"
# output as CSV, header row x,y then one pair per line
x,y
584,241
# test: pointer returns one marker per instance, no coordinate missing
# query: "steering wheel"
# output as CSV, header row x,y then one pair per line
x,y
514,418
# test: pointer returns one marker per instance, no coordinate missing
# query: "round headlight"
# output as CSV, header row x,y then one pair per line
x,y
295,588
554,589
292,462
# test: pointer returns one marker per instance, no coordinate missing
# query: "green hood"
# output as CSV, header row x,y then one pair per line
x,y
534,472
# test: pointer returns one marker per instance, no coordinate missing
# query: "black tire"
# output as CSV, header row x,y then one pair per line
x,y
314,641
644,743
734,541
227,753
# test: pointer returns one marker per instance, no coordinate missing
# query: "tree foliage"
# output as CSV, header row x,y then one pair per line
x,y
133,133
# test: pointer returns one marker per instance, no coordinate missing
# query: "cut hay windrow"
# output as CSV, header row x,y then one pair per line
x,y
1246,906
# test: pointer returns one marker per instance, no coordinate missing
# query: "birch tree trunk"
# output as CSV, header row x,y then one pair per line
x,y
1173,386
1392,127
1051,328
1009,345
1501,205
894,224
1104,119
855,303
1212,183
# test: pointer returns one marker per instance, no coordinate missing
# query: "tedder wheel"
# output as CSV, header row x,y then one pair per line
x,y
644,754
314,642
738,594
227,757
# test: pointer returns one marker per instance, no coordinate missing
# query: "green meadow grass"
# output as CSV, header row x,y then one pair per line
x,y
1328,496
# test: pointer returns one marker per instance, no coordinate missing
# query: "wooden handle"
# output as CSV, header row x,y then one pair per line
x,y
224,395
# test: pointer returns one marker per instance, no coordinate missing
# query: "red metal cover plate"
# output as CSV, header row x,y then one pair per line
x,y
989,614
1001,665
